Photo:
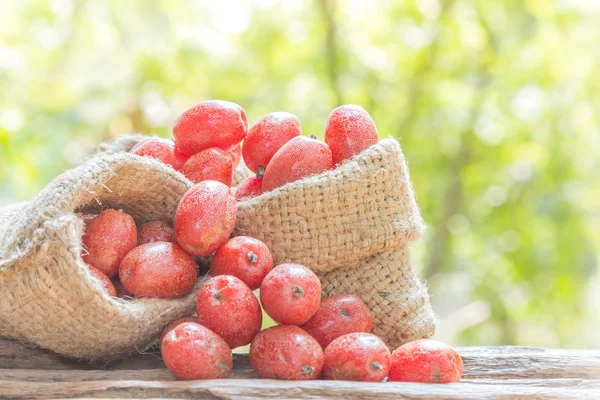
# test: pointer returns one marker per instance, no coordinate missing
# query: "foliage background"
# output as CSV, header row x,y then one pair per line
x,y
496,103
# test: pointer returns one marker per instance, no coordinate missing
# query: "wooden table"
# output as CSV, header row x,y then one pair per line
x,y
490,373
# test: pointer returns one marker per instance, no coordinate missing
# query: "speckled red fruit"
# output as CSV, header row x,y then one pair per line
x,y
267,136
211,164
192,351
286,352
236,154
205,218
348,131
357,356
228,307
156,231
245,258
159,269
290,294
155,148
338,315
213,123
249,188
174,324
107,239
179,158
426,361
105,280
300,157
121,291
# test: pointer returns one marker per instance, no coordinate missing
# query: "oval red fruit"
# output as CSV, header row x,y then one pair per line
x,y
229,308
210,164
427,361
156,231
348,131
245,258
192,351
338,315
158,149
174,324
213,123
267,136
104,280
159,270
249,188
357,356
290,294
286,352
300,157
205,218
107,239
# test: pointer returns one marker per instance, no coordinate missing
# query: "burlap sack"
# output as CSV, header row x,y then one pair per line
x,y
47,296
352,226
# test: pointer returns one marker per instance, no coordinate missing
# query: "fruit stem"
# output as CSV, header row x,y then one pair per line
x,y
252,258
312,137
261,172
376,365
298,292
307,370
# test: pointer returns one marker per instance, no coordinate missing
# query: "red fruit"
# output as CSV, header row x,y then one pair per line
x,y
337,316
107,239
427,361
249,188
267,136
106,283
357,357
155,148
300,157
191,351
348,131
236,154
229,308
121,291
174,324
179,158
286,352
205,218
213,123
290,294
156,231
245,258
160,270
211,164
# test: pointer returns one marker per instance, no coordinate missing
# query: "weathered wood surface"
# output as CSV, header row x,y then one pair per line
x,y
490,373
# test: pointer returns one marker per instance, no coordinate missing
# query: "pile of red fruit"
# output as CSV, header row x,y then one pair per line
x,y
156,259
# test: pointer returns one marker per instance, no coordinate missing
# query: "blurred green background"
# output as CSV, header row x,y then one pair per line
x,y
496,104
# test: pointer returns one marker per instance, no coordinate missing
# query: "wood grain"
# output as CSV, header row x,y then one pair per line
x,y
490,373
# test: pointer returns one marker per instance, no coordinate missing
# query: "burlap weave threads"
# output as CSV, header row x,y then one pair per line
x,y
353,226
48,298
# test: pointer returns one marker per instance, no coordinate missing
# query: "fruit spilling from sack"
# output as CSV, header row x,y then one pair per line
x,y
159,259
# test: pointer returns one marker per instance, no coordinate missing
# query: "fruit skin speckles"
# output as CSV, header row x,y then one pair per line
x,y
158,149
290,294
360,356
286,352
205,218
156,231
192,351
173,324
299,158
348,131
426,361
209,164
158,270
228,307
267,136
107,239
245,258
339,315
212,123
249,188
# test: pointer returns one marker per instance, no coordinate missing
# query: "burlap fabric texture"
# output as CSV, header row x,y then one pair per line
x,y
353,226
47,296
